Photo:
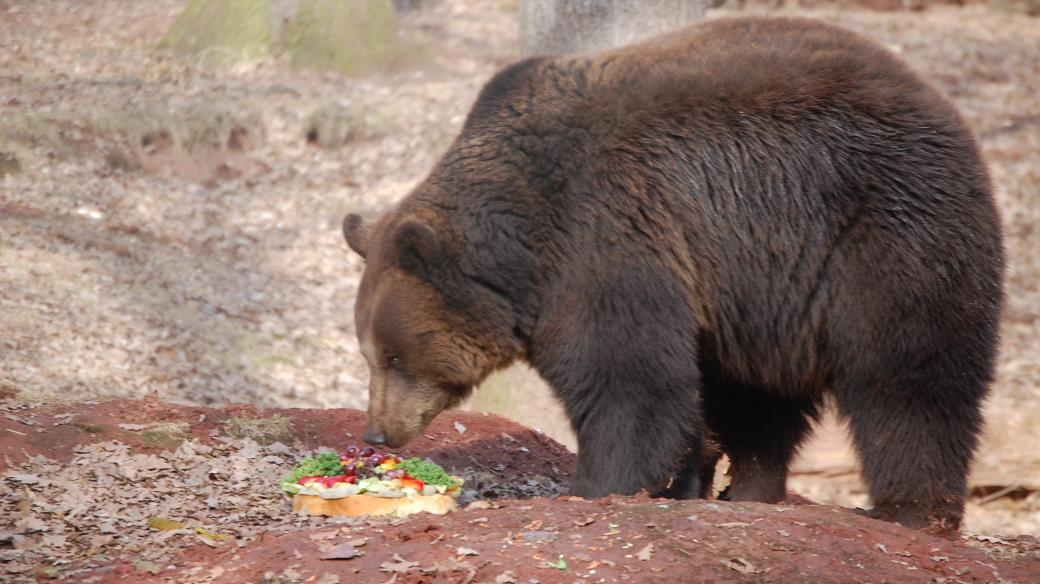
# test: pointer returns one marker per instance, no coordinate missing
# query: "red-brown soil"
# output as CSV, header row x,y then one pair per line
x,y
512,532
636,539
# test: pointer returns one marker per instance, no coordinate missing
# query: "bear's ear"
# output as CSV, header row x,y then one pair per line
x,y
356,233
417,248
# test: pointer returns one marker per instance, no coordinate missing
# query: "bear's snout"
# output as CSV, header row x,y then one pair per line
x,y
374,437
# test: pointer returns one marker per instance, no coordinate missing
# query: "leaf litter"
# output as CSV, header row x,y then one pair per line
x,y
109,503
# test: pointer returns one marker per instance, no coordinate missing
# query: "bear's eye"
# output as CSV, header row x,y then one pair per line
x,y
393,362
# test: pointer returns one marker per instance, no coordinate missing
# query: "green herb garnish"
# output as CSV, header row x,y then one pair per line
x,y
427,472
325,464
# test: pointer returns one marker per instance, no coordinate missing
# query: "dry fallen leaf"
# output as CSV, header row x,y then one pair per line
x,y
460,428
323,535
148,566
164,524
645,553
25,479
452,565
48,571
398,564
343,551
30,524
211,535
465,551
740,565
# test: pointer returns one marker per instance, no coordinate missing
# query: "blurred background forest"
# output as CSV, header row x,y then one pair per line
x,y
171,190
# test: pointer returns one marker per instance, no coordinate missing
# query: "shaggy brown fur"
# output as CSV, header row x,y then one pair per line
x,y
711,230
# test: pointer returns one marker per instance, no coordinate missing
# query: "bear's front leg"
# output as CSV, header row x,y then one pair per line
x,y
628,444
621,355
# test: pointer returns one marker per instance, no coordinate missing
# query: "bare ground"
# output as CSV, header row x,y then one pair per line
x,y
170,227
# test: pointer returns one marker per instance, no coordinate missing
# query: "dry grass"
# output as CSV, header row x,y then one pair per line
x,y
165,433
263,431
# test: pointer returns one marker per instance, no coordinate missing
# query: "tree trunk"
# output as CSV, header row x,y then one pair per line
x,y
572,26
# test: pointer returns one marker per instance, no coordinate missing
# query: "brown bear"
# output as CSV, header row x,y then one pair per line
x,y
706,232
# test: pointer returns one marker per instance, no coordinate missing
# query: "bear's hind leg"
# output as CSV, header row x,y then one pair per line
x,y
760,431
915,424
696,478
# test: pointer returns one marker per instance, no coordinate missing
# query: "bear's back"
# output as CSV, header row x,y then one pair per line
x,y
776,167
799,161
757,66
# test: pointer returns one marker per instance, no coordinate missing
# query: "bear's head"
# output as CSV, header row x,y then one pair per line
x,y
428,333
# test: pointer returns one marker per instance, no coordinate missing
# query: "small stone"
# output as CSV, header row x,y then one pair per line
x,y
539,536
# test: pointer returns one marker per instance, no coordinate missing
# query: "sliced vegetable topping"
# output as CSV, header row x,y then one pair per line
x,y
334,475
412,483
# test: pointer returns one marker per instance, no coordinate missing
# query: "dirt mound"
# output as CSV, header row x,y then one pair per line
x,y
144,490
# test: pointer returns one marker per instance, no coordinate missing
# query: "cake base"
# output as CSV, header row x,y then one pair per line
x,y
362,505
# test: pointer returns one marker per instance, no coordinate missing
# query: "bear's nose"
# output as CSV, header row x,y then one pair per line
x,y
374,438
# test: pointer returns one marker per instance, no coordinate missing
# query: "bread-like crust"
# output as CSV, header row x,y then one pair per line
x,y
358,505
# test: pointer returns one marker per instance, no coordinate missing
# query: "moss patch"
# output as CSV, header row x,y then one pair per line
x,y
351,36
236,28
